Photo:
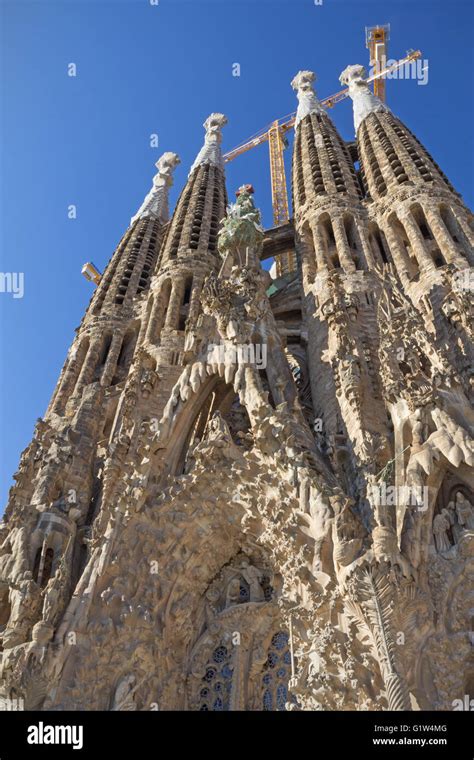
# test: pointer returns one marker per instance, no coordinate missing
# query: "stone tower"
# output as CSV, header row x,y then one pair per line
x,y
250,494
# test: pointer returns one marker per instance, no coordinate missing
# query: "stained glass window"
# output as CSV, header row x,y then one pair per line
x,y
276,673
217,682
267,588
244,593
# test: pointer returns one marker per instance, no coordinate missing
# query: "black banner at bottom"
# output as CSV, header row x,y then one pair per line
x,y
136,734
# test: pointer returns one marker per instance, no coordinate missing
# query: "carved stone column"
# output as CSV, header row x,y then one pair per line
x,y
87,372
69,380
399,254
155,317
416,240
319,248
176,298
375,597
464,225
342,245
364,243
443,238
111,363
195,302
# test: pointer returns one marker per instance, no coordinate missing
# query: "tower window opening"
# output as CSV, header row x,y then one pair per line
x,y
438,258
330,233
378,244
425,232
452,225
36,564
126,351
187,291
105,350
47,567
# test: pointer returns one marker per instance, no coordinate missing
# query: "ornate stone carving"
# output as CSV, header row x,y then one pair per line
x,y
193,528
156,202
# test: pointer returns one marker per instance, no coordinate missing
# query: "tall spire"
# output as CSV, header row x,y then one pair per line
x,y
210,152
364,100
322,165
307,100
156,202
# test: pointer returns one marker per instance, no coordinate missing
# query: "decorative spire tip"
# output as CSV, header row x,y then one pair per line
x,y
307,100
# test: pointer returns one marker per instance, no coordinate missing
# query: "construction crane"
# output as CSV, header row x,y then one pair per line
x,y
376,39
275,135
91,273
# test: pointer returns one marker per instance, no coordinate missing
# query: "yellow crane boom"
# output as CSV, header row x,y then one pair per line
x,y
274,134
376,39
286,122
276,147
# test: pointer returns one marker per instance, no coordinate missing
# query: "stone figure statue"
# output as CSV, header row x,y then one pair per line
x,y
253,576
124,699
52,596
440,531
233,592
241,228
464,512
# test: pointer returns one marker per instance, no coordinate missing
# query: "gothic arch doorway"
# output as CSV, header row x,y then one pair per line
x,y
214,396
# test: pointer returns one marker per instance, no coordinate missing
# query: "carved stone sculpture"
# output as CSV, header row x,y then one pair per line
x,y
253,492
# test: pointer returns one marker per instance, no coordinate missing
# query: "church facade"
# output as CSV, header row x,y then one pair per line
x,y
251,493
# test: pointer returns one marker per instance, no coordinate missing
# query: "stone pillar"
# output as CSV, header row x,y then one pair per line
x,y
280,378
111,363
464,225
195,301
319,248
364,243
308,268
400,256
342,245
304,246
69,379
87,372
156,311
416,240
443,238
145,321
176,299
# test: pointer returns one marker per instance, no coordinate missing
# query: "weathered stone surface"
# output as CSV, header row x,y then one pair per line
x,y
257,495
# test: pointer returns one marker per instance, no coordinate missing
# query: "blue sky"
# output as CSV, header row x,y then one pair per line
x,y
144,69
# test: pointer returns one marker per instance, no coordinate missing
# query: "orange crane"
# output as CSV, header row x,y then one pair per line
x,y
91,273
275,133
376,38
